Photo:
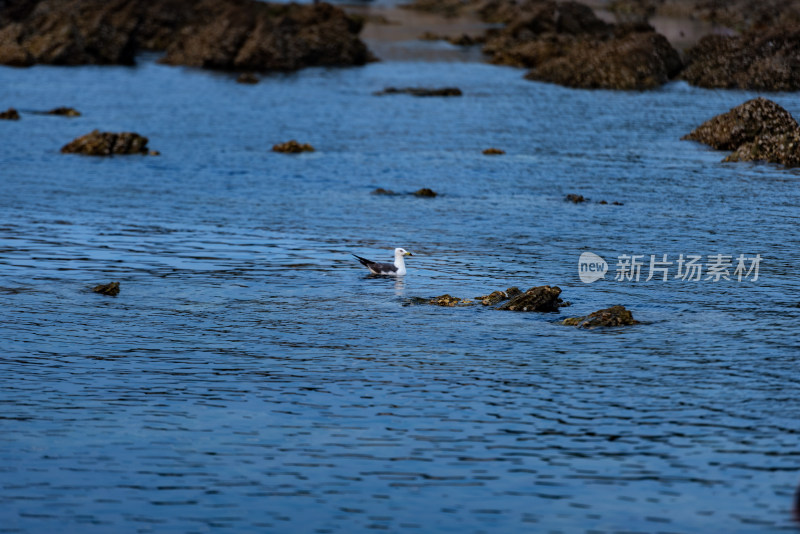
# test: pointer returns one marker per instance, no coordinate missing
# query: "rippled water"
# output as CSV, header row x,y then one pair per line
x,y
250,378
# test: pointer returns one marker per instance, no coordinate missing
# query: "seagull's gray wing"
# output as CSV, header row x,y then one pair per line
x,y
377,268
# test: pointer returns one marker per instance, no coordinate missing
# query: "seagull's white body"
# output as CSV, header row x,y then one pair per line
x,y
398,268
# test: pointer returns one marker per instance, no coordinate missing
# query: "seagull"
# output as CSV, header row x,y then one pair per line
x,y
398,268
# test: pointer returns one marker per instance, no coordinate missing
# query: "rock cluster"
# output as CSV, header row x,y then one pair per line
x,y
758,130
214,34
613,316
10,114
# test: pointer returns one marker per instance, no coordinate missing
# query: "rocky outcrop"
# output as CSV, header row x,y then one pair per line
x,y
613,316
111,289
292,147
425,192
99,143
493,152
215,34
758,130
449,301
761,59
539,299
421,91
496,297
10,114
565,43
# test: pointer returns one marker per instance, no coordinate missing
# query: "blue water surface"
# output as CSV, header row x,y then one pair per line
x,y
250,377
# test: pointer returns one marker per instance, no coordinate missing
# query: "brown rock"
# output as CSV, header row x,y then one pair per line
x,y
540,299
576,199
421,91
425,192
613,316
292,147
10,114
111,289
99,143
496,297
64,112
382,191
449,301
758,130
493,152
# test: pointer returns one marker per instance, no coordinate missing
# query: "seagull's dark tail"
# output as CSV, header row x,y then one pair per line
x,y
364,261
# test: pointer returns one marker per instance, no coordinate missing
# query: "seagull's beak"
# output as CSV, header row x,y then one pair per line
x,y
408,254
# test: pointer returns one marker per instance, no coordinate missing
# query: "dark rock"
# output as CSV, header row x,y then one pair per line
x,y
465,40
565,43
425,192
493,152
617,203
613,316
216,34
292,147
449,301
576,199
382,191
10,114
430,36
496,297
421,91
111,289
64,112
758,130
540,299
247,78
761,59
99,143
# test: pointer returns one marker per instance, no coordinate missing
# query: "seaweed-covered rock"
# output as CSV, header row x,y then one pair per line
x,y
425,192
215,34
10,114
766,59
450,301
99,143
111,289
576,199
613,316
758,130
539,299
421,91
567,44
292,147
64,112
496,297
493,152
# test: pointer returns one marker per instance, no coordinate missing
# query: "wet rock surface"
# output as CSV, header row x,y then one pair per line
x,y
538,299
497,297
63,112
382,191
215,34
10,114
449,301
425,193
758,130
111,289
421,91
99,143
567,44
613,316
292,147
575,199
761,59
493,152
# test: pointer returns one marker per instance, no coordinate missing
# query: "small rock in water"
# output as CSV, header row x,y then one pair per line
x,y
421,91
10,114
576,199
111,289
613,316
64,112
493,152
449,301
247,78
99,143
292,147
496,297
382,191
425,192
539,299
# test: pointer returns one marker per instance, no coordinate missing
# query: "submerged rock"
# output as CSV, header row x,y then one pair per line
x,y
763,59
425,192
493,152
449,301
292,147
99,143
382,191
10,114
613,316
758,130
421,91
539,299
496,297
111,289
576,199
212,34
247,78
64,112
